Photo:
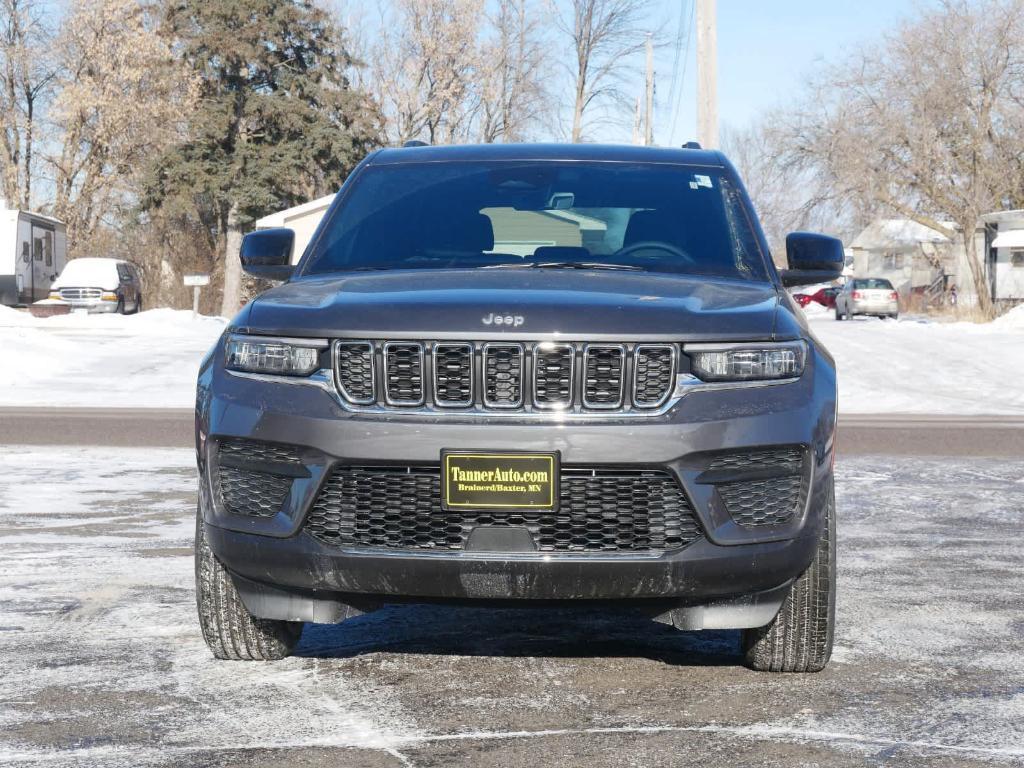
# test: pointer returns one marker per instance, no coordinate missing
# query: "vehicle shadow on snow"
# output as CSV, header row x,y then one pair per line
x,y
517,632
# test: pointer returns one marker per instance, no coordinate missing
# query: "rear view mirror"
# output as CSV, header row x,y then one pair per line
x,y
812,258
267,253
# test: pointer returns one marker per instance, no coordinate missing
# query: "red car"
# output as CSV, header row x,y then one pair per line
x,y
825,296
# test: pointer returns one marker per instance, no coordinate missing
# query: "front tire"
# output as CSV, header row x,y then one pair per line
x,y
799,638
229,630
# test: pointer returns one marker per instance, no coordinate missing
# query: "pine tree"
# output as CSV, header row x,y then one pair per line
x,y
278,120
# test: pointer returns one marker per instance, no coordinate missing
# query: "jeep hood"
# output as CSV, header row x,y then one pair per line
x,y
574,304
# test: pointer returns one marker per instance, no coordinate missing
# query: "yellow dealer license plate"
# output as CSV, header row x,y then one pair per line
x,y
478,480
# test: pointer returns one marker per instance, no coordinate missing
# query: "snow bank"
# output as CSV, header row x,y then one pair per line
x,y
149,360
1012,320
918,366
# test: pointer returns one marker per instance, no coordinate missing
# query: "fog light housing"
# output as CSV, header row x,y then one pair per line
x,y
747,362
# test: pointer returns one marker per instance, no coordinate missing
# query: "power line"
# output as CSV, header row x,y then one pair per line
x,y
673,87
686,60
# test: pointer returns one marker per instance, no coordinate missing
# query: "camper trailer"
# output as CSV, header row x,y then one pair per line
x,y
33,249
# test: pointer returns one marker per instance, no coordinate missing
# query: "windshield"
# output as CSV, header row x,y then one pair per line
x,y
656,218
873,282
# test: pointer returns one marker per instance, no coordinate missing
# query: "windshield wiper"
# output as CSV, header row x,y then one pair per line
x,y
564,265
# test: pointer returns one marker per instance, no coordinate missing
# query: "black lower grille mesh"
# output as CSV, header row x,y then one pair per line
x,y
773,495
257,494
599,511
244,476
762,502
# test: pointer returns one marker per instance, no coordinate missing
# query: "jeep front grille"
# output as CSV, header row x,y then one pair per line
x,y
542,377
600,510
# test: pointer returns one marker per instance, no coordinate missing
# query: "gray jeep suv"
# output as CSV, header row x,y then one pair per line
x,y
544,375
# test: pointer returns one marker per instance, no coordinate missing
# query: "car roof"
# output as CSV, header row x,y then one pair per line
x,y
99,260
569,152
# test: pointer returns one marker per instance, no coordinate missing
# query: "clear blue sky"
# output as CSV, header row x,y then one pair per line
x,y
765,51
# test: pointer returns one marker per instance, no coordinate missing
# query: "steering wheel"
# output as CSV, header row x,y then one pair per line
x,y
656,245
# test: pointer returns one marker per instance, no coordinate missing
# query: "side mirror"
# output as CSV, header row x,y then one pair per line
x,y
267,253
812,258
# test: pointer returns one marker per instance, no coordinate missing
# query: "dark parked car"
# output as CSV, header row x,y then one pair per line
x,y
524,375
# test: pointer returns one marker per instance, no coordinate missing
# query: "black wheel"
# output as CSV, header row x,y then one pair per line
x,y
799,638
120,306
228,628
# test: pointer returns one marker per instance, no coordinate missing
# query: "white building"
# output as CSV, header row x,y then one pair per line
x,y
1004,238
920,261
303,219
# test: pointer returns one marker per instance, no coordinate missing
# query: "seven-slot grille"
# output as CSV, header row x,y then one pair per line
x,y
529,376
600,510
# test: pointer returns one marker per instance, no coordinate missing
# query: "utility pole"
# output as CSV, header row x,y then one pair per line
x,y
638,126
649,111
707,74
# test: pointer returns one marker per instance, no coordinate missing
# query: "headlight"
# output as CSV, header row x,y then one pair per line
x,y
284,358
741,362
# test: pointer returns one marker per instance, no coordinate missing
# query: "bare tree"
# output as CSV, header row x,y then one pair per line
x,y
26,71
604,34
513,77
928,124
789,194
424,69
121,96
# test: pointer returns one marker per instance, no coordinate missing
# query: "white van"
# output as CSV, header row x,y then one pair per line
x,y
33,250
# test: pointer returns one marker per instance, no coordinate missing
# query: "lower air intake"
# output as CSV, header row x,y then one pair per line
x,y
600,510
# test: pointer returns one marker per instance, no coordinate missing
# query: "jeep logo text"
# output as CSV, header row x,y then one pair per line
x,y
514,320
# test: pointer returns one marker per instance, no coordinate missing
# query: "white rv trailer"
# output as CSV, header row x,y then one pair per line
x,y
33,249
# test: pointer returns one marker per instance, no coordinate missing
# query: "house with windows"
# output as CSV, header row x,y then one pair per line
x,y
925,265
917,260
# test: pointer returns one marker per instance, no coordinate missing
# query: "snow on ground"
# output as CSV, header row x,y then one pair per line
x,y
917,365
102,663
149,360
913,365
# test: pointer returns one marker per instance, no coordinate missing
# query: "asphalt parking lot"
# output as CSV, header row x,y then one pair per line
x,y
101,662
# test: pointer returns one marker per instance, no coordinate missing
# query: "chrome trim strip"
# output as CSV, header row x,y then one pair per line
x,y
502,405
472,378
373,372
320,379
550,347
295,341
387,384
709,347
687,383
621,348
673,349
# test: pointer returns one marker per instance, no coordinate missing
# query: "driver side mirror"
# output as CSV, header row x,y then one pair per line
x,y
267,253
812,258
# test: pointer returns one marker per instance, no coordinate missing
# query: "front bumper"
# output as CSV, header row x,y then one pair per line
x,y
92,306
874,308
283,572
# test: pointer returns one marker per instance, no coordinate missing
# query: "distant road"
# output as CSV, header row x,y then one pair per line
x,y
899,435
